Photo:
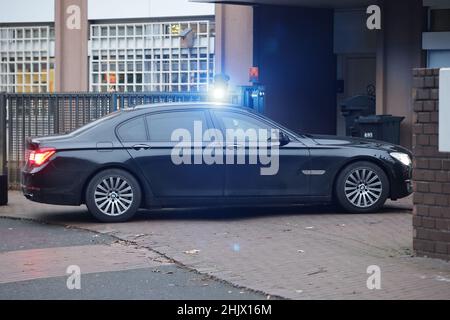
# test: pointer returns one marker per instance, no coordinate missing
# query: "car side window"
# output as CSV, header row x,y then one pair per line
x,y
162,125
132,130
236,121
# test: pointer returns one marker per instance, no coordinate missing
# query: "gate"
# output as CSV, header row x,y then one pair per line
x,y
31,115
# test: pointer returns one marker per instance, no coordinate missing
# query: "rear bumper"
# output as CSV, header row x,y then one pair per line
x,y
35,188
49,196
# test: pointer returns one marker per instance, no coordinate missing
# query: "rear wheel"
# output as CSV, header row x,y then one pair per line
x,y
362,187
113,195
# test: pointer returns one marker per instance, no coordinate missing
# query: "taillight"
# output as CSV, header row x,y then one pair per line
x,y
40,156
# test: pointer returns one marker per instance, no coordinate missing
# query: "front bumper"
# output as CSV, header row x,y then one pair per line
x,y
401,182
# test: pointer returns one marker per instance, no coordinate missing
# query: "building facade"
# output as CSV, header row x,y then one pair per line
x,y
103,46
27,58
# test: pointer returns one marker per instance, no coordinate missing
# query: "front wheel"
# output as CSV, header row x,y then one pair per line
x,y
113,195
362,187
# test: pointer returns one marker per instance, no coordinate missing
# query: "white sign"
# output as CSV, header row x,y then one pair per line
x,y
444,110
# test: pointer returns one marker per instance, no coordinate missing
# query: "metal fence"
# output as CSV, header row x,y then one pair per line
x,y
30,115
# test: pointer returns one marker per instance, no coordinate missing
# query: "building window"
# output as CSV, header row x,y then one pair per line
x,y
160,56
27,59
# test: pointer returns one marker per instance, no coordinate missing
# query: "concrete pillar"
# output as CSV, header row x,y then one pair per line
x,y
71,32
380,73
399,51
234,42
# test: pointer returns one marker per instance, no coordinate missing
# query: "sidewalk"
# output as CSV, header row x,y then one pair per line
x,y
41,261
297,252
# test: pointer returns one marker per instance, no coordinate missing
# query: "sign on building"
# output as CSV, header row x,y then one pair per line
x,y
444,110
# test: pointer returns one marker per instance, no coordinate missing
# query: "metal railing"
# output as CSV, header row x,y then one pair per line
x,y
31,115
3,158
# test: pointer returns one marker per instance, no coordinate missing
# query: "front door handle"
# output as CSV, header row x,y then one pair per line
x,y
140,146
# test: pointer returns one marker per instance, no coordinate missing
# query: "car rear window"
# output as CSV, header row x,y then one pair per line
x,y
95,123
132,130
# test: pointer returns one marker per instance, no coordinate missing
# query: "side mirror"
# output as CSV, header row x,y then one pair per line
x,y
283,139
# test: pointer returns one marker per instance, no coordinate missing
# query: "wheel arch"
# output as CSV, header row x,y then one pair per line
x,y
145,188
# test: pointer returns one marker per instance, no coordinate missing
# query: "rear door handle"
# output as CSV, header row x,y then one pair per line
x,y
140,146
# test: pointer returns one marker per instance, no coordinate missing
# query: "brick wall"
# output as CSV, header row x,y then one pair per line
x,y
431,215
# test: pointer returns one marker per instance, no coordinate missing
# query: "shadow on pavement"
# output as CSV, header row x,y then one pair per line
x,y
215,213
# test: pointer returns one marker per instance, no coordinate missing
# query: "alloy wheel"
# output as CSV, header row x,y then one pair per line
x,y
363,187
113,196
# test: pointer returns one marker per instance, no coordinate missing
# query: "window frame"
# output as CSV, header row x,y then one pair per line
x,y
27,63
154,48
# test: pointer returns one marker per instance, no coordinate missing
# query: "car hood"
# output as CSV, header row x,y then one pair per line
x,y
338,141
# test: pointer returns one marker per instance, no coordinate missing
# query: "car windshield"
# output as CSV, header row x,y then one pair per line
x,y
95,123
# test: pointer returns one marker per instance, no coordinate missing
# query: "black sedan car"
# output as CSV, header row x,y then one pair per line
x,y
141,158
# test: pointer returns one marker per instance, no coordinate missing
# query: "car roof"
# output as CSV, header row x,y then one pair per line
x,y
186,106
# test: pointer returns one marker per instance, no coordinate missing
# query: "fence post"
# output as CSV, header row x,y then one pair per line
x,y
113,101
3,155
261,99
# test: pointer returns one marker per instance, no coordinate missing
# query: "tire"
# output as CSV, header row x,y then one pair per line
x,y
113,195
362,187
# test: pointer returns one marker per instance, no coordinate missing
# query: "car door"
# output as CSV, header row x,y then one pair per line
x,y
153,154
247,179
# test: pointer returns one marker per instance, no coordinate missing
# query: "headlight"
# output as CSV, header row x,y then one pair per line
x,y
402,157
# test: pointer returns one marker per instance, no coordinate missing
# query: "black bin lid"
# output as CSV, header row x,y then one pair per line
x,y
379,119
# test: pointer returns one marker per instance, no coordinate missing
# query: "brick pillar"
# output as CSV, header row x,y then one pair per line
x,y
431,215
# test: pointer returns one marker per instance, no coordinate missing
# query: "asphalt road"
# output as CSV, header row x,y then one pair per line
x,y
34,248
